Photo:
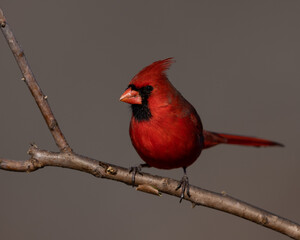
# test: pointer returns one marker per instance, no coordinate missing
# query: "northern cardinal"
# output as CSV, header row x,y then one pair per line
x,y
165,129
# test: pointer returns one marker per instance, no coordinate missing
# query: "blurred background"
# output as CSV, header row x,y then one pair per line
x,y
237,62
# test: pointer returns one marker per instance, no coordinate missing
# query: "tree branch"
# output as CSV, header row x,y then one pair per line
x,y
152,184
33,86
147,183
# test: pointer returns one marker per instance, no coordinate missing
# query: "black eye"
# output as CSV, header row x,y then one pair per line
x,y
149,88
146,90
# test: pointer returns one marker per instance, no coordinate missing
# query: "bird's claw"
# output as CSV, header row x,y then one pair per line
x,y
135,170
185,186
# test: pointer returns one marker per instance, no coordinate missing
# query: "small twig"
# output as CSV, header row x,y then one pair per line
x,y
146,182
33,86
223,202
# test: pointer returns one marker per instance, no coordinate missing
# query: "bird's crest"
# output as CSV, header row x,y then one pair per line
x,y
156,69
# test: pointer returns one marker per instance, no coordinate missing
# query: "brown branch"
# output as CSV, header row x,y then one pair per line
x,y
33,86
152,184
146,182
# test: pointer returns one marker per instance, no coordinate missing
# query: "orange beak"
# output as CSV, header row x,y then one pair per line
x,y
131,96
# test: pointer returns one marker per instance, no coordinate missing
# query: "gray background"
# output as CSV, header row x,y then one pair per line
x,y
237,62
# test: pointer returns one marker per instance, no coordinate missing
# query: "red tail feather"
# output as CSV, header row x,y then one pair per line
x,y
212,139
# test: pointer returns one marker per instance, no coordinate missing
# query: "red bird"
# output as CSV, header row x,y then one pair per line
x,y
165,129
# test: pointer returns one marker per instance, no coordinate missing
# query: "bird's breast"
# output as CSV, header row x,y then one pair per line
x,y
167,141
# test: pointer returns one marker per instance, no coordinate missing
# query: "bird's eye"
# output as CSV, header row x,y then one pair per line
x,y
149,88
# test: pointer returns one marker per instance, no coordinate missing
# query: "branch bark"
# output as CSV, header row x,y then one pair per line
x,y
33,86
148,183
152,184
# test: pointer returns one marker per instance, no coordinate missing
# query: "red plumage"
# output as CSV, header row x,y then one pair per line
x,y
165,129
212,139
172,137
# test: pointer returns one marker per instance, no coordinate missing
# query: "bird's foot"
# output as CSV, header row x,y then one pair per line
x,y
136,170
185,187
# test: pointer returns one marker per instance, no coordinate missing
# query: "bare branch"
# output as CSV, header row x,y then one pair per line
x,y
147,183
152,184
33,86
